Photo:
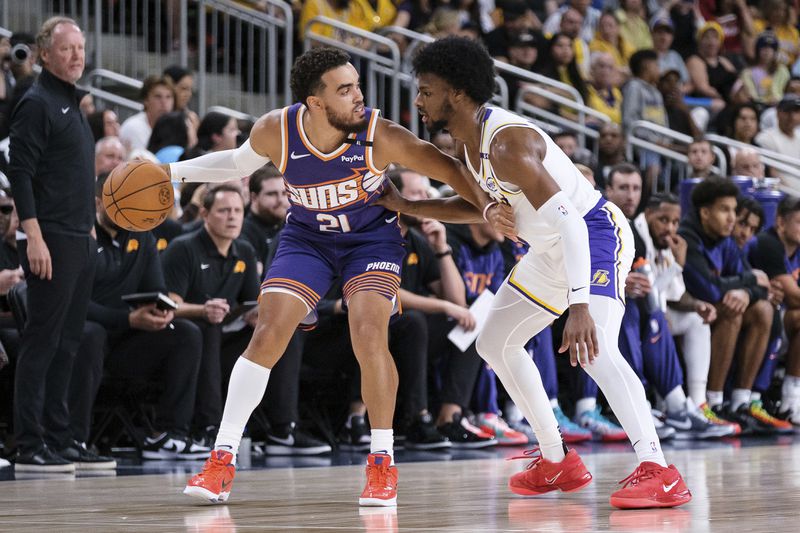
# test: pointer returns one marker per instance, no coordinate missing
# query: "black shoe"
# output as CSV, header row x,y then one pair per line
x,y
85,459
355,436
170,446
462,434
292,441
41,460
749,424
207,437
423,435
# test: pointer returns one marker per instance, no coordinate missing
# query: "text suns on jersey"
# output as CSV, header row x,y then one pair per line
x,y
337,194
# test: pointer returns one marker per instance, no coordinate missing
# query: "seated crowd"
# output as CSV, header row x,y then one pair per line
x,y
712,322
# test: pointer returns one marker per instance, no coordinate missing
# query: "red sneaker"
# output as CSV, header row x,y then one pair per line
x,y
214,482
381,487
652,485
541,475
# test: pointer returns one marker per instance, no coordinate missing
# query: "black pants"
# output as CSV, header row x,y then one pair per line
x,y
172,357
220,353
56,313
87,373
456,371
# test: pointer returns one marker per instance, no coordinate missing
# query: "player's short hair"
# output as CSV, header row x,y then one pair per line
x,y
463,63
151,82
655,200
711,189
638,59
308,69
257,179
621,168
211,195
790,204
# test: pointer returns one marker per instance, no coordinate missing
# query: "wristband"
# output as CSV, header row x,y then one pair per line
x,y
486,209
447,252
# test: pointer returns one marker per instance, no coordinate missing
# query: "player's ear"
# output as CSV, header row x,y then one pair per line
x,y
314,102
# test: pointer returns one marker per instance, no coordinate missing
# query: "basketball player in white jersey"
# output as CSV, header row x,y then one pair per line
x,y
581,249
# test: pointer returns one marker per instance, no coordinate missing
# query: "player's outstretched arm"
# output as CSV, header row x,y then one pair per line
x,y
226,165
516,155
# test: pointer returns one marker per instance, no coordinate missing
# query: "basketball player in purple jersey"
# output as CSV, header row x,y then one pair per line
x,y
332,151
580,251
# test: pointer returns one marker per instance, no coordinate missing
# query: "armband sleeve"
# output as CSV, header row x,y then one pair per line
x,y
224,165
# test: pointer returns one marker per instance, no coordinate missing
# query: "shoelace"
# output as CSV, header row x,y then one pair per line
x,y
528,454
377,476
640,474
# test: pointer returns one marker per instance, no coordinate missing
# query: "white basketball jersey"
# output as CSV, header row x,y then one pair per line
x,y
530,225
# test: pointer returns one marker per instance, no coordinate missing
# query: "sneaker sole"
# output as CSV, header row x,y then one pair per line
x,y
205,494
574,486
377,502
644,503
430,446
105,465
23,467
271,449
473,445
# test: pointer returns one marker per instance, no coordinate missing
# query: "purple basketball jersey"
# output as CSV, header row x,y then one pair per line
x,y
331,193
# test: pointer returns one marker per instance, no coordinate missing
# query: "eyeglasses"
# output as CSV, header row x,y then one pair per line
x,y
6,209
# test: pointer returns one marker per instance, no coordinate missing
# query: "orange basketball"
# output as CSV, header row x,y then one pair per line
x,y
138,196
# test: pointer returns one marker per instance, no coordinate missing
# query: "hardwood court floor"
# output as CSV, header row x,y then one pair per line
x,y
741,489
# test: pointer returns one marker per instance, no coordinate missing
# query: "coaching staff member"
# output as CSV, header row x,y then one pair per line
x,y
52,179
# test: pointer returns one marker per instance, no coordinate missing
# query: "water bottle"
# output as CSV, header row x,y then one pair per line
x,y
651,300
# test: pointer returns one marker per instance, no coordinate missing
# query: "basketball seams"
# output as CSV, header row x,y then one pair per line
x,y
136,217
157,184
111,189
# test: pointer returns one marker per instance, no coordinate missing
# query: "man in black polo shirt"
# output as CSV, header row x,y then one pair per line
x,y
134,345
266,215
209,272
51,170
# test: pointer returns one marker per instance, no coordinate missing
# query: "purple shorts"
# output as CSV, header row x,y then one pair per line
x,y
307,262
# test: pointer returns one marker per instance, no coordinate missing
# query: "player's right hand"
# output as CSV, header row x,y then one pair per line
x,y
580,336
461,315
39,258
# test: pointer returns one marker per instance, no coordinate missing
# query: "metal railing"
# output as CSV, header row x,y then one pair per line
x,y
784,164
377,58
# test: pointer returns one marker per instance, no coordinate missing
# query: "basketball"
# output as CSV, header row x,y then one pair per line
x,y
138,196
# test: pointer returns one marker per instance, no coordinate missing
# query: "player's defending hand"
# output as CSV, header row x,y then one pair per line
x,y
501,217
391,198
580,337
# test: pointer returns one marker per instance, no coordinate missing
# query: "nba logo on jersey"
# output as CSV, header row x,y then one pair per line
x,y
563,210
491,184
600,278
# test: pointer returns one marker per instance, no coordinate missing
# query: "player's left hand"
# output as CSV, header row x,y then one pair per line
x,y
580,337
391,198
501,217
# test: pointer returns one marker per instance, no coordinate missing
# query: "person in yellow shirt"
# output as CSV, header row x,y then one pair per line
x,y
775,18
633,26
358,13
607,39
604,95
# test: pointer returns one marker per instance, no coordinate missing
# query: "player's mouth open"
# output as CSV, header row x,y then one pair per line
x,y
424,118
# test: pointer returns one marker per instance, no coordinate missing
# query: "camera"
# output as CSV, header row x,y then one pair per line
x,y
20,53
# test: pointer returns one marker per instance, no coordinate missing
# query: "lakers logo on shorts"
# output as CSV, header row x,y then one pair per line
x,y
600,278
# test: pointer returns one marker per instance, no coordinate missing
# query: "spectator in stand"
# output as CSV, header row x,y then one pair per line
x,y
769,117
445,142
741,126
136,345
359,13
217,131
632,17
678,115
558,62
715,272
785,138
776,17
701,159
736,21
604,93
590,18
23,77
108,153
183,81
610,152
443,23
684,19
516,19
523,51
607,39
173,134
266,215
776,251
749,221
712,75
766,78
104,124
747,162
571,27
158,98
668,59
568,142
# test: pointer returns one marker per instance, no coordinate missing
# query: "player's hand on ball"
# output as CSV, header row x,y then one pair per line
x,y
391,198
501,217
580,337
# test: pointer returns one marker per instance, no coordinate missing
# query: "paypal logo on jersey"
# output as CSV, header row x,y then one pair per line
x,y
352,158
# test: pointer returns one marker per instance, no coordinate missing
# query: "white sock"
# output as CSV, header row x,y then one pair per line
x,y
553,402
739,397
382,442
755,396
245,391
696,352
675,400
790,391
715,398
585,405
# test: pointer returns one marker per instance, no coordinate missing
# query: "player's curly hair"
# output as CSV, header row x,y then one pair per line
x,y
461,62
307,71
